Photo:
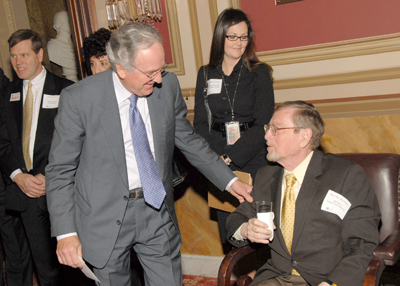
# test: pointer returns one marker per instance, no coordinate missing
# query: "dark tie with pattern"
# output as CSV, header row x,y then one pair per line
x,y
153,188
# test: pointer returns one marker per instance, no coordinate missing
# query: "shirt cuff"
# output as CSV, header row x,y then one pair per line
x,y
66,235
231,183
13,174
237,234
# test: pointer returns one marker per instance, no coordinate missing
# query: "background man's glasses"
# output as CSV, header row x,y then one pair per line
x,y
274,129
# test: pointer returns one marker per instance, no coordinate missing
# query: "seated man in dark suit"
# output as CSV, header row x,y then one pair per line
x,y
326,214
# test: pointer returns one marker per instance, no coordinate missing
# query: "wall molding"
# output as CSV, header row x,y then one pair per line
x,y
335,50
12,26
213,13
385,104
195,34
235,4
177,66
343,78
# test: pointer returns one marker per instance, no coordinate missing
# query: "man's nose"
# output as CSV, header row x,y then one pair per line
x,y
158,78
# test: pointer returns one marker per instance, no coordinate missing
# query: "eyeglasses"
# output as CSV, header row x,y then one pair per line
x,y
154,74
234,38
274,129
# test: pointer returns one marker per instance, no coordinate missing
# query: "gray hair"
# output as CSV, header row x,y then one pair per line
x,y
306,116
125,43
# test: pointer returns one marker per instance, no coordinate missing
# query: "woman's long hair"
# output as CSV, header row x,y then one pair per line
x,y
226,19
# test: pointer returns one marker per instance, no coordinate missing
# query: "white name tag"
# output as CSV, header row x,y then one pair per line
x,y
214,86
15,96
50,101
335,203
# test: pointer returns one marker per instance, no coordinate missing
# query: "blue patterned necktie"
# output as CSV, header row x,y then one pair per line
x,y
153,188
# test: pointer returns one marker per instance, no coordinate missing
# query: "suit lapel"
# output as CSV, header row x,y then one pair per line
x,y
16,111
111,122
45,124
277,185
306,195
157,117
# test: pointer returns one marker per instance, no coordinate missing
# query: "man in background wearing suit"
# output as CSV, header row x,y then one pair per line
x,y
326,214
29,113
15,245
109,178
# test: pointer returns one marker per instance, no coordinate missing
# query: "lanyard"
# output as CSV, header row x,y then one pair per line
x,y
232,104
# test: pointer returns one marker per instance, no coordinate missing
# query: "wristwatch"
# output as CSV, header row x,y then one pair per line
x,y
226,159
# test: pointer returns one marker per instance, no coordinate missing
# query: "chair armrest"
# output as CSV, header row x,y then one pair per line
x,y
389,249
373,273
228,263
244,280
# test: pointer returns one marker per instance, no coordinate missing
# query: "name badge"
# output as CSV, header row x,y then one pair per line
x,y
232,132
335,203
50,101
214,86
15,96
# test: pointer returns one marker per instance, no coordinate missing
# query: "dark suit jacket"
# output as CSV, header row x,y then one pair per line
x,y
86,178
324,246
11,139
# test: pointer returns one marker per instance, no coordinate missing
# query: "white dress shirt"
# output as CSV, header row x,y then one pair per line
x,y
299,172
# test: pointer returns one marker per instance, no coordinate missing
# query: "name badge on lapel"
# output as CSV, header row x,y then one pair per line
x,y
15,96
335,203
50,101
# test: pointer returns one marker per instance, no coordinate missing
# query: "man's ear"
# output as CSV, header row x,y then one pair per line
x,y
121,72
306,135
40,55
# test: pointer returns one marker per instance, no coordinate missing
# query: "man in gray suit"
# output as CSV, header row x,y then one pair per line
x,y
326,213
97,188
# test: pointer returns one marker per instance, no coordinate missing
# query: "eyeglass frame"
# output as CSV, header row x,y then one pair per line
x,y
237,37
275,129
154,75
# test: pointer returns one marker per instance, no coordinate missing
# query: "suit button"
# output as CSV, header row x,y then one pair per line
x,y
118,222
125,198
294,263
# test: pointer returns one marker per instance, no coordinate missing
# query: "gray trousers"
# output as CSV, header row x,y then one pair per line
x,y
156,241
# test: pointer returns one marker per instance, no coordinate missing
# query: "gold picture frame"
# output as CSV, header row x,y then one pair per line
x,y
177,65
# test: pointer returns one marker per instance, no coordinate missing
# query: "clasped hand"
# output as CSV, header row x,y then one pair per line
x,y
32,186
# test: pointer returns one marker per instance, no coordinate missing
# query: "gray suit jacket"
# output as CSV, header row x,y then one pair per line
x,y
86,178
324,246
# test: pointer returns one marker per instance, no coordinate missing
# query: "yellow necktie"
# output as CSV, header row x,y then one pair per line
x,y
26,126
288,213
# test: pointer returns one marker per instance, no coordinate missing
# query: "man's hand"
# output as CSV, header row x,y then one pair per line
x,y
68,251
241,191
256,231
323,284
32,186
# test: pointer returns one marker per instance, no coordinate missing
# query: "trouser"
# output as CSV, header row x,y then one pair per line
x,y
16,248
156,241
284,280
43,247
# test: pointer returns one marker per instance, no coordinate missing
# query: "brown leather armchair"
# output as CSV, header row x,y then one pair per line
x,y
383,174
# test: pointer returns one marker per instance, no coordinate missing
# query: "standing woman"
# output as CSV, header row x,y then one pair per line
x,y
234,98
